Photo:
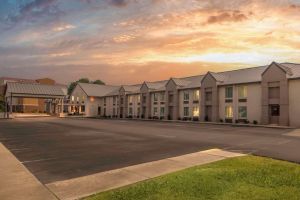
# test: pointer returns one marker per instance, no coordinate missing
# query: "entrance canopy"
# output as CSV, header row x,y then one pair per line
x,y
35,90
19,96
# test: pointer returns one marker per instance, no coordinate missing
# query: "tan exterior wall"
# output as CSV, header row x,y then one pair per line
x,y
253,103
294,103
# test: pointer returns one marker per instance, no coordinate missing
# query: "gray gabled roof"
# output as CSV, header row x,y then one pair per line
x,y
95,90
35,89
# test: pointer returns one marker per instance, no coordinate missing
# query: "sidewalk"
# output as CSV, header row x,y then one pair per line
x,y
84,186
17,182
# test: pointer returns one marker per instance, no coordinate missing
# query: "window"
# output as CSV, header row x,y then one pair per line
x,y
139,98
208,96
155,111
121,100
77,99
242,112
242,91
72,98
196,95
138,111
228,92
114,111
275,110
155,97
104,111
162,111
274,92
196,111
186,112
130,99
186,96
130,111
228,112
114,100
82,108
144,99
104,100
162,97
171,98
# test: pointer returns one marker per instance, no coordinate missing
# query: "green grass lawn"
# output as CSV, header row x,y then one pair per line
x,y
248,178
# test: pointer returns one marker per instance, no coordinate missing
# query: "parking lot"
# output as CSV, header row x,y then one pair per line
x,y
58,149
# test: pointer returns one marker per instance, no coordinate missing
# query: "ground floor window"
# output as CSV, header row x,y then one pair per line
x,y
162,111
82,108
104,111
196,111
228,112
155,111
242,112
275,110
138,111
114,111
130,111
186,112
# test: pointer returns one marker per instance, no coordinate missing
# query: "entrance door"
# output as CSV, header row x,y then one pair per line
x,y
208,113
99,110
171,114
274,114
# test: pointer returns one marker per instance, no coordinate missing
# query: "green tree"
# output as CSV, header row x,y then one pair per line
x,y
98,82
83,80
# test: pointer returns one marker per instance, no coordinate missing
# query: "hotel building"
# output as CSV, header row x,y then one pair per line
x,y
260,95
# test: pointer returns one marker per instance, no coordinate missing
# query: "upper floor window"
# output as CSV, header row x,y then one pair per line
x,y
144,99
229,92
114,100
155,97
274,92
171,98
130,99
208,96
139,98
186,96
162,97
196,95
104,100
242,92
72,98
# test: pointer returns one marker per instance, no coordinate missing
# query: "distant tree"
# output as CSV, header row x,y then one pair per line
x,y
83,80
98,82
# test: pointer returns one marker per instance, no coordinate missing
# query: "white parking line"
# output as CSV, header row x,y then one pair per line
x,y
39,160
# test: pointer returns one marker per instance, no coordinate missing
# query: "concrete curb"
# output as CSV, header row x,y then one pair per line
x,y
17,182
84,186
197,122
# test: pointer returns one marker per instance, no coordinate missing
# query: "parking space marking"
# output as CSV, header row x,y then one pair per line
x,y
39,160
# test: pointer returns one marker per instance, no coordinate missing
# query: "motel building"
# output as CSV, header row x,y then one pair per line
x,y
258,95
25,96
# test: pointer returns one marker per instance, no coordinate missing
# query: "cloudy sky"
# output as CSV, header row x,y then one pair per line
x,y
128,41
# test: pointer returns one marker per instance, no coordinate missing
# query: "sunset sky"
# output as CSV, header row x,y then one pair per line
x,y
129,41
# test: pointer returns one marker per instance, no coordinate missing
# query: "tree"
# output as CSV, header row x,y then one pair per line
x,y
98,82
83,80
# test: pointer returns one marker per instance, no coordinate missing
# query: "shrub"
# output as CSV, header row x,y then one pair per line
x,y
221,120
236,121
255,122
195,119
